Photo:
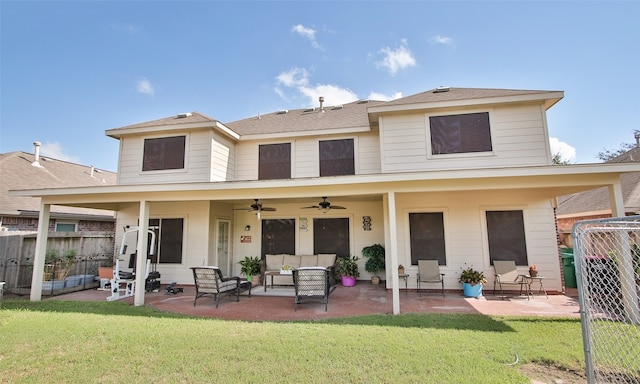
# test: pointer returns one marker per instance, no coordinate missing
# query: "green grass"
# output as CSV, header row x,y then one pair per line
x,y
58,341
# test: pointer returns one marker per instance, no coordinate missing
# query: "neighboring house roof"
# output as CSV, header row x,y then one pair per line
x,y
596,201
18,172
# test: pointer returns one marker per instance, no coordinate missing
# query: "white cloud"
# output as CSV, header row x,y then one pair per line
x,y
144,86
383,97
294,77
55,151
307,33
441,40
566,151
396,59
297,80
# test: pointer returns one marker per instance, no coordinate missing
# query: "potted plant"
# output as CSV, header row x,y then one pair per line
x,y
250,267
56,268
348,270
472,282
375,261
533,270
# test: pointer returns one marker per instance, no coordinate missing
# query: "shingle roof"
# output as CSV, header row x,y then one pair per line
x,y
351,115
452,94
184,118
17,172
598,199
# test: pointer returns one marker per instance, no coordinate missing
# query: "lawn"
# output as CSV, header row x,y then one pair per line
x,y
58,341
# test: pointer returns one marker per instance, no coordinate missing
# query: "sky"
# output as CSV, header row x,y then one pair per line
x,y
70,70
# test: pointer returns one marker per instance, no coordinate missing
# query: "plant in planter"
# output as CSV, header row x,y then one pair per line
x,y
348,270
472,282
57,267
250,267
533,270
375,261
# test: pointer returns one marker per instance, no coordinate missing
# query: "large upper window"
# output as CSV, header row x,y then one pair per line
x,y
163,153
460,133
274,161
505,231
427,237
336,157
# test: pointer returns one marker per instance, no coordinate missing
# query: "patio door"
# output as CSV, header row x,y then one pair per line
x,y
222,246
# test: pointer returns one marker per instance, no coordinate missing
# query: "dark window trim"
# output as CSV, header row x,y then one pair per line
x,y
460,128
337,163
432,245
156,151
274,162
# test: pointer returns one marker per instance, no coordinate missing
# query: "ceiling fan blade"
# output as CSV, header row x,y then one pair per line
x,y
313,206
268,209
337,207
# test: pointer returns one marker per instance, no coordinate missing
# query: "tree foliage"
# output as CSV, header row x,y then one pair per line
x,y
609,154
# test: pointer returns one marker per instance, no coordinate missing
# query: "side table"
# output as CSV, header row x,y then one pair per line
x,y
541,288
405,276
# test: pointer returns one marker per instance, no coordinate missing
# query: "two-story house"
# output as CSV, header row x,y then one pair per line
x,y
460,175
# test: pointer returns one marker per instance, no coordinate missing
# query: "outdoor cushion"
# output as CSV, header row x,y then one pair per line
x,y
292,261
326,259
308,261
274,262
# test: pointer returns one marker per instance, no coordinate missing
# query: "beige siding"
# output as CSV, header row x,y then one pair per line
x,y
305,156
222,159
465,231
197,161
519,138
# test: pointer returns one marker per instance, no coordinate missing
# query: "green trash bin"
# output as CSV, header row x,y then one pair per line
x,y
569,270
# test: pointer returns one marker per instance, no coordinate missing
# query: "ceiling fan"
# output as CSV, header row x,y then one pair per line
x,y
324,205
257,207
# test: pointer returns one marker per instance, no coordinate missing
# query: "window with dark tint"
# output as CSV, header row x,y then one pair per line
x,y
505,230
427,237
169,240
163,153
278,236
336,157
331,236
274,161
460,133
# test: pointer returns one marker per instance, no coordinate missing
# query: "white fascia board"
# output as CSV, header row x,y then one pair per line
x,y
550,98
295,134
556,176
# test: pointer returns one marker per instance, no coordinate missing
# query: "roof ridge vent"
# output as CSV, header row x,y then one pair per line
x,y
363,101
442,89
183,115
282,112
338,107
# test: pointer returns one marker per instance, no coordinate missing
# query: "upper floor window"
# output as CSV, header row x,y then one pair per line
x,y
163,153
336,157
460,133
274,161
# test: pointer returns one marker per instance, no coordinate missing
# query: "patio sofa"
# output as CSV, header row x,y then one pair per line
x,y
273,263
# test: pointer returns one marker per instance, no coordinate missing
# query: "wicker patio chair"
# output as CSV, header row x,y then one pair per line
x,y
209,281
429,273
312,284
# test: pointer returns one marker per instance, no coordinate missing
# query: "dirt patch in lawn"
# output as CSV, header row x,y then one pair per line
x,y
549,374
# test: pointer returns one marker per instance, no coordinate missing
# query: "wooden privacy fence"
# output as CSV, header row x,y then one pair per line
x,y
72,258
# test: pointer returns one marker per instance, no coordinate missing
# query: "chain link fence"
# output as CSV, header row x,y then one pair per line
x,y
607,262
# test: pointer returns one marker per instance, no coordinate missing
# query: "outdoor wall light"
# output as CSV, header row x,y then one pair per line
x,y
247,228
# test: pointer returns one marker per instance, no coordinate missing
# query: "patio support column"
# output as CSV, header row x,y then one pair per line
x,y
627,278
41,251
392,250
141,251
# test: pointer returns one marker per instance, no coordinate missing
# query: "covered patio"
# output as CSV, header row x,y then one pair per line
x,y
363,299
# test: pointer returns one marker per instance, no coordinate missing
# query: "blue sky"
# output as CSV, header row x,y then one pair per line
x,y
71,70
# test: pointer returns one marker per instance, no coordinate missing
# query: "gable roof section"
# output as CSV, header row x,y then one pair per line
x,y
176,123
17,172
444,97
351,117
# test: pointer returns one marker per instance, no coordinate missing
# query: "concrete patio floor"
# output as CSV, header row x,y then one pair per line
x,y
364,299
